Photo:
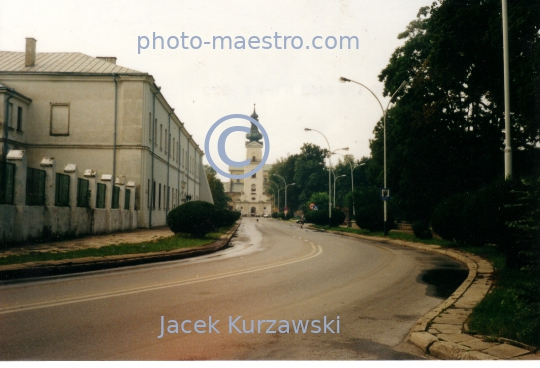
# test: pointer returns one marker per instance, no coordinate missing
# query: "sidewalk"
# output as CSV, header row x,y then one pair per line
x,y
92,241
442,331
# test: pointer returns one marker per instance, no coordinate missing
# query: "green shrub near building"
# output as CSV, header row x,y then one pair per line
x,y
199,218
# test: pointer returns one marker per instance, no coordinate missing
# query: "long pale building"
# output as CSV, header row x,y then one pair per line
x,y
96,114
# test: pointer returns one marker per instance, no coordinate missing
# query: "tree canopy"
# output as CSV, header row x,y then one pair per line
x,y
445,134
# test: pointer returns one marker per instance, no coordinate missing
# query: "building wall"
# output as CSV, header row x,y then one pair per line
x,y
90,143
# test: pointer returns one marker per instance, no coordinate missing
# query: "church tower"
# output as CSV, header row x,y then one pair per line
x,y
252,200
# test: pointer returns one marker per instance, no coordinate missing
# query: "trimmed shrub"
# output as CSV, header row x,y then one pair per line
x,y
197,218
321,217
226,218
370,210
421,230
447,217
275,215
476,218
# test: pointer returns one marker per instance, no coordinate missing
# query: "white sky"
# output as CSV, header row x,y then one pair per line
x,y
293,89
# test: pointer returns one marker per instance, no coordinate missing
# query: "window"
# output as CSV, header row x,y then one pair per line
x,y
253,159
166,142
61,197
19,119
161,137
149,128
83,192
148,194
10,116
159,197
127,198
254,176
100,195
154,195
155,132
115,204
59,119
173,148
253,188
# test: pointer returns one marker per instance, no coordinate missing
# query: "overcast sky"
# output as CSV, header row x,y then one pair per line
x,y
293,88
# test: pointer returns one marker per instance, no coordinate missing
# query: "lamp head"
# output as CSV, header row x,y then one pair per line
x,y
307,129
343,80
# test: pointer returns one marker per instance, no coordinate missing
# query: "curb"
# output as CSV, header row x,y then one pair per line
x,y
440,331
67,266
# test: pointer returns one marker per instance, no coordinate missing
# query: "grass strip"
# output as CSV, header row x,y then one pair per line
x,y
166,244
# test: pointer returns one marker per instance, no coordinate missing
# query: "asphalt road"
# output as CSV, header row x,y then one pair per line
x,y
273,271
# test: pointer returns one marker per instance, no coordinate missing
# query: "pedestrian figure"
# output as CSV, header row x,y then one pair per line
x,y
302,219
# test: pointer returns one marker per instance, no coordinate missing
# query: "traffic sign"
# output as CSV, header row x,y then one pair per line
x,y
385,194
312,206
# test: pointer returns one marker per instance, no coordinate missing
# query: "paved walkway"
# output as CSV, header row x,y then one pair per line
x,y
93,241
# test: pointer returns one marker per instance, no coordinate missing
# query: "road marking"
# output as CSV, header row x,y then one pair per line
x,y
316,250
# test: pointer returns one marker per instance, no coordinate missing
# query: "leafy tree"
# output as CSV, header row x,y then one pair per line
x,y
221,200
444,133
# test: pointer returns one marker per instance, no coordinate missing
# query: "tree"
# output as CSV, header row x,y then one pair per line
x,y
444,133
221,200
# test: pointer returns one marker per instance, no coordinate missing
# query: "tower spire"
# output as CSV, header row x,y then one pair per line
x,y
254,135
254,115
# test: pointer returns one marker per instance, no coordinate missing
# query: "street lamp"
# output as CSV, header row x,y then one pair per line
x,y
329,178
507,140
336,178
352,180
279,176
277,192
288,185
273,197
343,80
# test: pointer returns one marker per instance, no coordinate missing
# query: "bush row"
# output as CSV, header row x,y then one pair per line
x,y
320,217
199,218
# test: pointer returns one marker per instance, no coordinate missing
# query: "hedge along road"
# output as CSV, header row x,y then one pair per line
x,y
273,271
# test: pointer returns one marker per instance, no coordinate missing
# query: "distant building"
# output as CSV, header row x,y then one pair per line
x,y
91,112
248,195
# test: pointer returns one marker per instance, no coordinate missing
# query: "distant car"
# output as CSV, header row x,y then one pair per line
x,y
265,216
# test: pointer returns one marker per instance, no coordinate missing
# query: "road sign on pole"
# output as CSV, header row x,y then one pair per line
x,y
385,194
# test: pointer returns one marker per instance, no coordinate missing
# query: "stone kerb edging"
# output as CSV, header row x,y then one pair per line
x,y
439,332
47,268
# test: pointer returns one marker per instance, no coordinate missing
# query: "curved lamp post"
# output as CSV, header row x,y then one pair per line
x,y
352,179
277,192
329,178
336,178
343,80
330,153
279,176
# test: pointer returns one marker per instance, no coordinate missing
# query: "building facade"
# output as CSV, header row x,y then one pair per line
x,y
249,195
91,112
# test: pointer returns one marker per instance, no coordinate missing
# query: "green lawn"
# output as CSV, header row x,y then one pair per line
x,y
170,243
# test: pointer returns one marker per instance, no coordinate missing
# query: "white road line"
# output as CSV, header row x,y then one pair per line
x,y
315,252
